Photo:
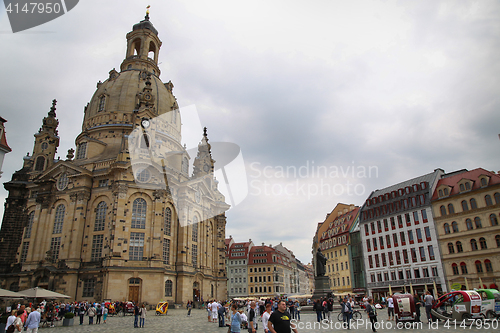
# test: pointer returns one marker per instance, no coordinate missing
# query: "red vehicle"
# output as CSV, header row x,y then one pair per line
x,y
404,308
465,304
128,308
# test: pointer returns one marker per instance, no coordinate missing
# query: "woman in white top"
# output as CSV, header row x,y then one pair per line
x,y
18,323
11,319
265,317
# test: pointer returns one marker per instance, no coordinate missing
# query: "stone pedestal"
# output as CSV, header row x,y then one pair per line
x,y
321,287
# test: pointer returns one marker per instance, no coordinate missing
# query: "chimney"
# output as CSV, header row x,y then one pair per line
x,y
270,245
263,244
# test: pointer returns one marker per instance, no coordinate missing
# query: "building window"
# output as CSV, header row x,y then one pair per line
x,y
136,250
405,256
97,243
410,236
185,165
88,288
398,258
434,271
473,244
443,210
168,288
194,231
388,240
59,219
395,239
100,216
416,273
102,103
40,163
451,248
425,272
29,227
82,151
454,267
487,199
400,221
194,254
62,182
473,203
497,239
139,214
55,245
24,251
103,183
403,239
465,207
493,220
459,247
477,221
468,224
497,198
422,253
479,266
166,251
414,255
482,243
370,261
454,226
446,228
167,222
487,265
419,235
368,245
451,209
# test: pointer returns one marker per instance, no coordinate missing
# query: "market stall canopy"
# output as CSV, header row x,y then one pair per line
x,y
10,294
38,292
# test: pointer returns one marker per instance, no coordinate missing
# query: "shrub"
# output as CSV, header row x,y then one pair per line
x,y
69,315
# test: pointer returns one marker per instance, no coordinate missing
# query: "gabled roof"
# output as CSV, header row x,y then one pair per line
x,y
473,176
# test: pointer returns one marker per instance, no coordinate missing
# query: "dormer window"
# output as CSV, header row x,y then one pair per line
x,y
465,186
484,181
443,192
102,103
82,151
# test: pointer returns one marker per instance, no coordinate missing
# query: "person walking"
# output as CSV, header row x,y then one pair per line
x,y
317,307
104,314
33,320
390,307
265,317
346,313
81,312
279,321
136,316
221,312
252,318
235,320
91,313
189,307
418,304
142,313
11,319
297,310
372,313
18,322
428,300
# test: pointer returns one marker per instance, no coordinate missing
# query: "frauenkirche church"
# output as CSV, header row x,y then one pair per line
x,y
90,227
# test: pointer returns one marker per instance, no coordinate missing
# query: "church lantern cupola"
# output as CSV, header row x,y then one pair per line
x,y
143,47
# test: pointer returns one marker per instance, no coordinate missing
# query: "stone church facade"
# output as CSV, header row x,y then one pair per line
x,y
102,225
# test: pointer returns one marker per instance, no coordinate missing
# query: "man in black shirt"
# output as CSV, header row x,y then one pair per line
x,y
279,322
252,320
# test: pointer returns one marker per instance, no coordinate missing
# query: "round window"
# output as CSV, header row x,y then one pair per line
x,y
62,182
143,176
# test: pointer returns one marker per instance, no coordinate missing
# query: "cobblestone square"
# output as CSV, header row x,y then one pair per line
x,y
177,321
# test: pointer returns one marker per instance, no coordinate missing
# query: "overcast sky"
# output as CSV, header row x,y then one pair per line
x,y
397,88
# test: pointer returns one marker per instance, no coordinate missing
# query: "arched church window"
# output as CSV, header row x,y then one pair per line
x,y
168,288
102,103
168,222
31,218
139,214
82,151
100,216
194,237
59,219
185,165
40,163
45,145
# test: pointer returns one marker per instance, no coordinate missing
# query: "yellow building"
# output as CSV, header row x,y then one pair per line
x,y
102,225
334,243
466,206
266,271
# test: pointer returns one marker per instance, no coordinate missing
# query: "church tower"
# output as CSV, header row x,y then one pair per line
x,y
91,226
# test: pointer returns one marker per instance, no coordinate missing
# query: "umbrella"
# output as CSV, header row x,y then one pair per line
x,y
435,288
480,283
411,288
390,290
38,292
9,294
466,284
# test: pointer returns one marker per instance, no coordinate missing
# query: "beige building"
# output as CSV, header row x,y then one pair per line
x,y
334,244
466,206
102,225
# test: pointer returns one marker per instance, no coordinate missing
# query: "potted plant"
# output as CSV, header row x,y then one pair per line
x,y
68,319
